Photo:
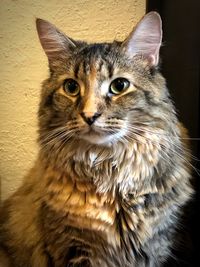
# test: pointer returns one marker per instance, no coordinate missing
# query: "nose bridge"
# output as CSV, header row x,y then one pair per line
x,y
90,95
90,103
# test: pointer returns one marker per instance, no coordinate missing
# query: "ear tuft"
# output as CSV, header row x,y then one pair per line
x,y
54,42
146,38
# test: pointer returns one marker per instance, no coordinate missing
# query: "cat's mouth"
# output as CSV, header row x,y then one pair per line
x,y
93,135
97,135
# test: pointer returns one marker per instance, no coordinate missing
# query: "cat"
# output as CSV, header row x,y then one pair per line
x,y
113,171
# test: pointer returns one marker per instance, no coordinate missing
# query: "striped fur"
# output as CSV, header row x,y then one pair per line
x,y
110,193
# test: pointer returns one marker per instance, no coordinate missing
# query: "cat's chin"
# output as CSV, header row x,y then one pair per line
x,y
101,138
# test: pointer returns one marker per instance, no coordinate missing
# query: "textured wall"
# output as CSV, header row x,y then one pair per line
x,y
24,65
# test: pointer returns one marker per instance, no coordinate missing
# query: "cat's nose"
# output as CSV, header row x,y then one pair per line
x,y
90,117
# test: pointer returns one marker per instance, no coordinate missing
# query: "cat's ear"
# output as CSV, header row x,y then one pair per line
x,y
146,38
54,42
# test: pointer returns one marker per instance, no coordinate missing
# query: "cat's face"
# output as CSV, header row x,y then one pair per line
x,y
100,93
94,91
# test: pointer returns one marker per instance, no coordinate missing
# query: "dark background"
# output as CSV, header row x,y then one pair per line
x,y
180,66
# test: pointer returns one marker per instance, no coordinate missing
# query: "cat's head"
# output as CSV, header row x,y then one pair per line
x,y
101,93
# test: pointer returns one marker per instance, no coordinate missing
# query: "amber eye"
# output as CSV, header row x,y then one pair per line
x,y
71,87
118,86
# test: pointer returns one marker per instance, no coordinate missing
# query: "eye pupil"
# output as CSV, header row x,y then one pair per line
x,y
71,87
119,85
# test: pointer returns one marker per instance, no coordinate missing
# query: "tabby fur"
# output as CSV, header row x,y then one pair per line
x,y
108,193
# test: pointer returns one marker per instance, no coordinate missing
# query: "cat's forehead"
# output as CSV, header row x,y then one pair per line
x,y
95,50
98,57
100,61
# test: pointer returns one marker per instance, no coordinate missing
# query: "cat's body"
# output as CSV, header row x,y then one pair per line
x,y
113,170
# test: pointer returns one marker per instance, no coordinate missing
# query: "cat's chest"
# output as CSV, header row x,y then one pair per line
x,y
76,215
77,205
80,224
91,195
80,206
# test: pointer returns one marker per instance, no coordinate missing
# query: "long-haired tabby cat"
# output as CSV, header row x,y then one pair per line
x,y
113,170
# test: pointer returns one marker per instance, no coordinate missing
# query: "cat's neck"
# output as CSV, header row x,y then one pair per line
x,y
119,167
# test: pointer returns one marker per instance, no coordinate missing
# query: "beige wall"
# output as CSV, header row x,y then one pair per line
x,y
23,66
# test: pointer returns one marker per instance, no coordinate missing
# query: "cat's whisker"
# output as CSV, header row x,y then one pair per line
x,y
141,127
183,149
168,139
132,139
56,138
156,131
63,143
56,133
171,149
135,131
51,139
177,154
50,132
51,135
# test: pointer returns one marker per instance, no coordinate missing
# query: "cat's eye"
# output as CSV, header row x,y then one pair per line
x,y
118,86
71,87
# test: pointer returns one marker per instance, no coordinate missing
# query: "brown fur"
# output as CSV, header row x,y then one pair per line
x,y
88,202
